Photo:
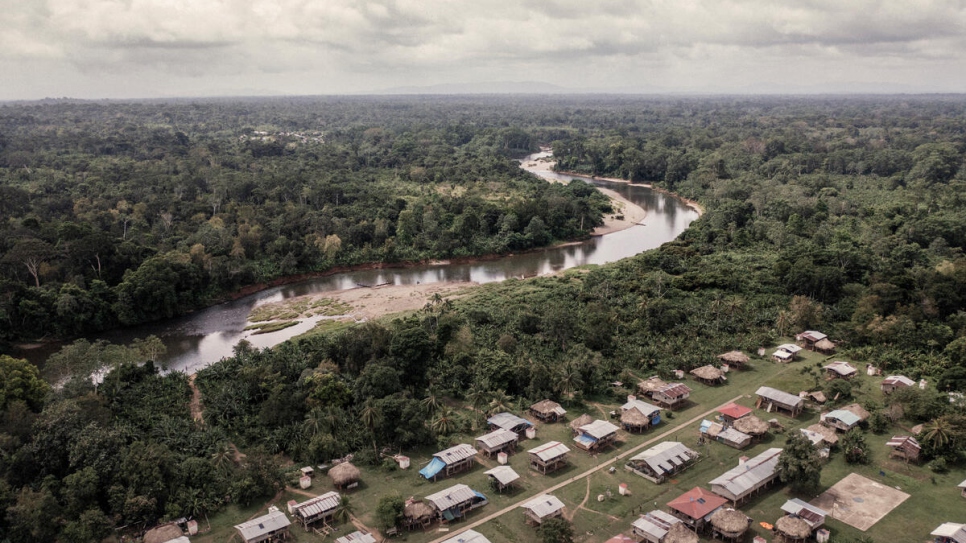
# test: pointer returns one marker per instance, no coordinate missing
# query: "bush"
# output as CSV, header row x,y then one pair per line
x,y
939,465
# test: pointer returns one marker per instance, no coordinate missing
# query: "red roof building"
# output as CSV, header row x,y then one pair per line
x,y
733,411
696,504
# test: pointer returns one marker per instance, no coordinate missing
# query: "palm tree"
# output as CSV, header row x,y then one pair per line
x,y
478,396
500,401
370,417
343,513
569,380
224,457
939,432
782,323
445,421
314,421
432,402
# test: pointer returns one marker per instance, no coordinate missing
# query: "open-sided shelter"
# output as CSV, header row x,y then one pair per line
x,y
547,411
680,533
499,440
751,425
792,529
541,508
344,475
596,435
318,509
270,527
508,421
905,447
709,375
503,477
447,462
729,524
824,346
454,502
662,461
418,514
653,527
548,457
771,399
734,359
695,507
747,478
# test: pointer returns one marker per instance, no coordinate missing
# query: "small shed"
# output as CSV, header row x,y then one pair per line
x,y
318,509
734,359
541,508
751,425
580,421
962,487
596,435
653,527
547,411
679,533
709,375
894,382
452,460
732,412
729,524
747,478
418,514
950,532
508,421
695,507
497,441
345,476
813,516
792,529
905,447
771,399
357,537
662,461
672,395
270,527
502,477
809,338
840,370
648,386
454,502
548,457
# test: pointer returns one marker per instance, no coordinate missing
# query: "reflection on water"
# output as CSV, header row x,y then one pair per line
x,y
202,338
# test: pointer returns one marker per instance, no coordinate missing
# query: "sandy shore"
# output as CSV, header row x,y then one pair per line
x,y
371,303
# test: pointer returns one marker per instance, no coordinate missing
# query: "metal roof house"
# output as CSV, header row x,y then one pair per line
x,y
357,537
450,461
653,526
747,478
547,411
651,384
813,516
893,382
846,418
508,421
809,338
840,370
771,399
662,461
734,438
497,441
596,435
786,352
320,508
502,477
455,501
905,447
732,411
548,457
950,532
695,507
270,527
469,536
672,395
541,508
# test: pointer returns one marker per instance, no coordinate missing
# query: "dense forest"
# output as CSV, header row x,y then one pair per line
x,y
840,214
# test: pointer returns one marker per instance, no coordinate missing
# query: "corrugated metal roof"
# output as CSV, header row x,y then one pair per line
x,y
779,396
952,530
841,368
469,536
656,523
266,524
898,380
357,537
815,437
507,421
455,454
674,390
961,485
796,507
599,429
645,408
451,497
904,441
504,474
790,347
697,503
749,475
734,410
544,505
317,505
811,335
550,450
498,438
842,415
665,457
732,435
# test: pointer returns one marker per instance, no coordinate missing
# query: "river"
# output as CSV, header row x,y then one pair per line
x,y
204,337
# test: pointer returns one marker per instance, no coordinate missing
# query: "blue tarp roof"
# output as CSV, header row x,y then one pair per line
x,y
584,438
435,466
479,495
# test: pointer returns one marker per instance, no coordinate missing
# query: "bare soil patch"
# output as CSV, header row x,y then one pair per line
x,y
859,502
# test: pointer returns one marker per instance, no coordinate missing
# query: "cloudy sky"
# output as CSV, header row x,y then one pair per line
x,y
161,48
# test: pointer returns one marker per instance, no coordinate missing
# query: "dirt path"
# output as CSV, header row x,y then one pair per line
x,y
196,411
587,473
570,517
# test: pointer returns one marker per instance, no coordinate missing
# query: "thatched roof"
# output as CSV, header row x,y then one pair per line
x,y
818,396
417,510
582,420
793,527
651,384
730,521
545,406
633,417
858,410
680,533
734,357
344,474
708,373
751,425
828,434
163,534
825,345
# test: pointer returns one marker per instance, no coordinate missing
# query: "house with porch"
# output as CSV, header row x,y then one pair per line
x,y
453,460
270,527
454,502
497,441
596,435
548,457
771,399
662,461
653,527
695,507
749,477
541,508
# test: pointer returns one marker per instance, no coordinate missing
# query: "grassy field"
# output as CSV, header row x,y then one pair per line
x,y
934,498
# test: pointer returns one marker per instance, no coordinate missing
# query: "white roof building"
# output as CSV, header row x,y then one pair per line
x,y
263,527
469,536
543,506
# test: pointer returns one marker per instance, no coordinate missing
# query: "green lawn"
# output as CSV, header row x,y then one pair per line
x,y
934,498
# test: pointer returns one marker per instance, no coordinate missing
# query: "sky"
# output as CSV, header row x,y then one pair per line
x,y
190,48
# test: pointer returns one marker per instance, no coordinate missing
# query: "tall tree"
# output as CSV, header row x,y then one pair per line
x,y
799,464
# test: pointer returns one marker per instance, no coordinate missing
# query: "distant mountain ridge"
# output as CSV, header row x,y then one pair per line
x,y
490,87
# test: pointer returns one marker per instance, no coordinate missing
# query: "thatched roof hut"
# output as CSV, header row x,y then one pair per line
x,y
418,513
680,533
547,411
634,419
651,385
730,523
751,425
344,474
708,374
828,434
734,358
825,346
163,533
793,528
582,420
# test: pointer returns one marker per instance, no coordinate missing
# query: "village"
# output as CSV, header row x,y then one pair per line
x,y
685,459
